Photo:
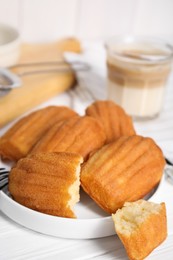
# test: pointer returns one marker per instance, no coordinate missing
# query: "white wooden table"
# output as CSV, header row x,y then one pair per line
x,y
17,242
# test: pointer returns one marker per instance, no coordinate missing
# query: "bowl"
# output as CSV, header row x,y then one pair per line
x,y
9,45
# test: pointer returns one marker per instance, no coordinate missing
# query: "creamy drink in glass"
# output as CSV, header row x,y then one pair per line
x,y
137,72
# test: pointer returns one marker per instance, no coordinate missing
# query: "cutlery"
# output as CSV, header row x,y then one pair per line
x,y
3,178
9,80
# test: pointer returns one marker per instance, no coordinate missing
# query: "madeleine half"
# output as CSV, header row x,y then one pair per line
x,y
80,135
113,118
141,226
21,137
124,170
47,182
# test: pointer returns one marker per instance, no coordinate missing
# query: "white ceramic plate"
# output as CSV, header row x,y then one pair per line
x,y
91,222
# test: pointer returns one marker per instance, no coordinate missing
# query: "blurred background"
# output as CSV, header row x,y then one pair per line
x,y
47,20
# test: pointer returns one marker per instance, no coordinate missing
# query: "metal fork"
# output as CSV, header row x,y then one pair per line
x,y
169,173
3,178
9,80
85,91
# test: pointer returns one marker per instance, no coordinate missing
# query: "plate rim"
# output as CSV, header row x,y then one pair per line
x,y
102,226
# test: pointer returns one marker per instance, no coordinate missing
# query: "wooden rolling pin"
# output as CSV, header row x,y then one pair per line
x,y
37,88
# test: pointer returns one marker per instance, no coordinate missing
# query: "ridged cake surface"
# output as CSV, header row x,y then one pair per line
x,y
81,135
114,119
22,136
47,182
124,170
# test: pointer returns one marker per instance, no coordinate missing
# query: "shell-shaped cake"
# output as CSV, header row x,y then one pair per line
x,y
81,135
124,170
141,226
113,118
48,183
22,136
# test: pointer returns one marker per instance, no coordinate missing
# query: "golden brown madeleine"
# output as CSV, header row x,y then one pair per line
x,y
113,118
124,170
21,137
80,135
141,226
47,182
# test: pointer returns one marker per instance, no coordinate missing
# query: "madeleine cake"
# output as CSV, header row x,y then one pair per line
x,y
80,135
124,170
114,119
141,226
47,182
21,137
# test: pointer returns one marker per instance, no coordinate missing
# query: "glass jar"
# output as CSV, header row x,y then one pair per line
x,y
137,72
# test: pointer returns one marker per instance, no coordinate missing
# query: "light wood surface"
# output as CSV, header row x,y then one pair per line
x,y
38,88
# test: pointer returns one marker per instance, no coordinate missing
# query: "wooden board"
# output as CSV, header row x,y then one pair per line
x,y
37,88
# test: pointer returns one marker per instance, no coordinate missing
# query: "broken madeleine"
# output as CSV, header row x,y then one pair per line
x,y
22,136
47,182
124,170
113,118
141,226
